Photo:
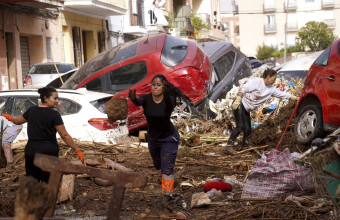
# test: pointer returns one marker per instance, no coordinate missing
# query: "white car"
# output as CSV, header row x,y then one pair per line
x,y
41,74
82,111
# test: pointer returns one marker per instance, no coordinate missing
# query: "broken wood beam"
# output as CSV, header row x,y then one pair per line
x,y
33,199
58,166
55,164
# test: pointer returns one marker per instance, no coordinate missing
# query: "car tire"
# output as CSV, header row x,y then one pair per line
x,y
185,109
309,124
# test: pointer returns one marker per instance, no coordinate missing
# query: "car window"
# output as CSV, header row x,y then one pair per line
x,y
174,51
101,61
322,60
21,104
339,49
65,68
119,79
225,63
2,103
213,79
50,68
100,104
67,107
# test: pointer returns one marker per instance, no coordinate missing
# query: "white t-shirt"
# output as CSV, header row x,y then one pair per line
x,y
255,92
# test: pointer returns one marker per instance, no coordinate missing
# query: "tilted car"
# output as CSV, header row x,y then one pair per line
x,y
132,66
41,74
83,113
318,108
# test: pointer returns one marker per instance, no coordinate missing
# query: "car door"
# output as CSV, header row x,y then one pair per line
x,y
331,85
18,106
118,79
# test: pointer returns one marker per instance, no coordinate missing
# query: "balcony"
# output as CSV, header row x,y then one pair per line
x,y
96,8
291,5
330,23
270,28
269,6
40,3
205,18
292,26
327,4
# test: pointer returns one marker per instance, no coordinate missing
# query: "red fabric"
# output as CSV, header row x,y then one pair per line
x,y
217,185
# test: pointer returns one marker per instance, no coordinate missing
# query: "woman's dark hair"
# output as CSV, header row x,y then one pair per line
x,y
46,92
170,90
269,72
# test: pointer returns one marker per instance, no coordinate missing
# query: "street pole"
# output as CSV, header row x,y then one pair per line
x,y
286,30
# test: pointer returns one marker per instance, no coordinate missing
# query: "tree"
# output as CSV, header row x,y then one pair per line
x,y
264,52
315,36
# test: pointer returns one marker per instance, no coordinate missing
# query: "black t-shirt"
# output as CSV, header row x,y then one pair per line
x,y
157,115
41,122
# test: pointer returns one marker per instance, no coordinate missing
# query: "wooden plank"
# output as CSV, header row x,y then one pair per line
x,y
54,183
126,179
116,203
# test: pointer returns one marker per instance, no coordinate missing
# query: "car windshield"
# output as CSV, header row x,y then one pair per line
x,y
174,51
101,61
322,60
50,68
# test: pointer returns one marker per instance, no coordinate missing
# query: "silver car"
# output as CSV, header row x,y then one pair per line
x,y
41,74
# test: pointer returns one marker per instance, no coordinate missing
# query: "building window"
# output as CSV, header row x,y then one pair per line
x,y
49,49
270,19
134,7
271,42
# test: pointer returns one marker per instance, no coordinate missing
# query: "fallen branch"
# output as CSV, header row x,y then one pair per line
x,y
19,158
100,153
110,146
249,149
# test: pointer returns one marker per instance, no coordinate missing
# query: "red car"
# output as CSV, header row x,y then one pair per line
x,y
318,108
133,65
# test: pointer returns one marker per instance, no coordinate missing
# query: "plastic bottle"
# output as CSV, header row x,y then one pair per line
x,y
212,193
184,204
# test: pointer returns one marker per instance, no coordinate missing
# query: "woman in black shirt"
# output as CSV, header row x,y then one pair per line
x,y
162,136
42,125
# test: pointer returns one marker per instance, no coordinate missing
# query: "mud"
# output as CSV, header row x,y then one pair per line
x,y
206,162
270,132
116,109
200,159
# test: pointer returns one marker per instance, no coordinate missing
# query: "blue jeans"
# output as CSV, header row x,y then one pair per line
x,y
164,151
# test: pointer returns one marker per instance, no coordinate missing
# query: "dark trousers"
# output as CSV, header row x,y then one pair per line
x,y
242,120
164,151
31,149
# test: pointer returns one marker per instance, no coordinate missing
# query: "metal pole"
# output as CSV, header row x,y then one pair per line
x,y
286,28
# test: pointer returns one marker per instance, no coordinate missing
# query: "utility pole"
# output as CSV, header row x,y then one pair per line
x,y
286,30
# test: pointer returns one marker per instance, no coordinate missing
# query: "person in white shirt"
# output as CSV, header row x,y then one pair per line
x,y
252,94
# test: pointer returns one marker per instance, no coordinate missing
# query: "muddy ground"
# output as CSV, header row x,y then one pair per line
x,y
199,160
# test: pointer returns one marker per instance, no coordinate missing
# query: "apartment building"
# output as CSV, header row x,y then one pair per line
x,y
28,30
36,31
145,17
230,21
264,21
210,13
84,28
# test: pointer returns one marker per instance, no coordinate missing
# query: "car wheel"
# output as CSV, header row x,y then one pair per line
x,y
309,124
184,110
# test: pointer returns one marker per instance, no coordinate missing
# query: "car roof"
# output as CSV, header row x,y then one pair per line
x,y
51,63
90,95
214,49
301,63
